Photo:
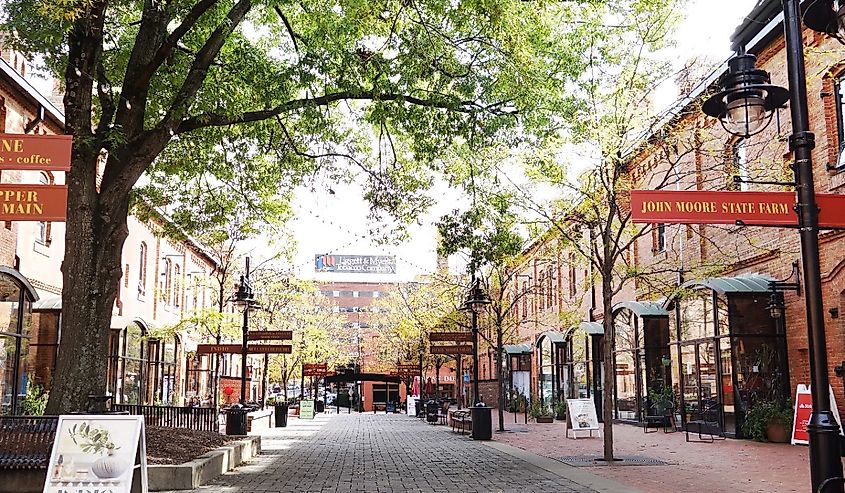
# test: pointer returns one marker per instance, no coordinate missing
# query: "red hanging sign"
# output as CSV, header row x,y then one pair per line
x,y
750,208
35,152
33,202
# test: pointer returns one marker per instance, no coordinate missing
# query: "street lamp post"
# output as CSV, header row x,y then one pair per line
x,y
244,298
475,302
743,104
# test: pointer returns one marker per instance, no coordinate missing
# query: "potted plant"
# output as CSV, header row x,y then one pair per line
x,y
560,409
768,420
541,413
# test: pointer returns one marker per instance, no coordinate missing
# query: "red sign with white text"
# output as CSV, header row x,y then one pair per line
x,y
803,410
37,152
751,208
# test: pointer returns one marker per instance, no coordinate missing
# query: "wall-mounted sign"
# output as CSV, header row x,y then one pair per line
x,y
751,208
356,264
237,348
450,337
581,416
453,349
271,335
35,152
33,202
306,409
97,453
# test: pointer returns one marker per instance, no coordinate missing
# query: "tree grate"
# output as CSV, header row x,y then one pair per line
x,y
621,460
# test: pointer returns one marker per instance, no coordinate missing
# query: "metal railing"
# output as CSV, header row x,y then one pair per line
x,y
192,418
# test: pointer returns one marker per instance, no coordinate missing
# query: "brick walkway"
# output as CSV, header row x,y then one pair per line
x,y
731,465
384,453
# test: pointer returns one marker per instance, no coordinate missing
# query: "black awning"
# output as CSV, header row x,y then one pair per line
x,y
363,377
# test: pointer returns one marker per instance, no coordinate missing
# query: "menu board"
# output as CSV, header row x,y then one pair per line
x,y
306,409
581,415
97,453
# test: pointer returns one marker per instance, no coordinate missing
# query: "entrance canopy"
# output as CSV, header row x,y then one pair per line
x,y
516,349
642,308
363,377
744,283
553,336
592,328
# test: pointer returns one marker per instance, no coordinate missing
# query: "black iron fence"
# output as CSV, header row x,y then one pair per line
x,y
193,418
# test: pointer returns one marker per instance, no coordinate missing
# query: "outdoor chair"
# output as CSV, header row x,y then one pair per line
x,y
659,414
443,415
706,423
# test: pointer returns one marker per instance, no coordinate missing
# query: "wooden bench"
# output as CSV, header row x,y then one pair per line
x,y
460,419
26,441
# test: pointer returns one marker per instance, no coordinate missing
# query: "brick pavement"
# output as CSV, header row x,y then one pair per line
x,y
740,466
384,453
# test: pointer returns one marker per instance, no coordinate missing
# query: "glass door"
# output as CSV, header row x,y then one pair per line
x,y
728,398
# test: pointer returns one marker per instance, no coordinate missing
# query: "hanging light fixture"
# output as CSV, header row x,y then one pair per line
x,y
477,299
826,16
776,306
746,100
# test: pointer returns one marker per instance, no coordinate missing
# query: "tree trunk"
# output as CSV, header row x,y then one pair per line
x,y
96,231
500,373
608,375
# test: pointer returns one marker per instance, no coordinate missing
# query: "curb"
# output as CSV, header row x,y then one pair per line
x,y
574,474
198,472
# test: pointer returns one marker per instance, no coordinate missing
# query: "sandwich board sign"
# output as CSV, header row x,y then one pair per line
x,y
306,409
802,411
97,453
581,416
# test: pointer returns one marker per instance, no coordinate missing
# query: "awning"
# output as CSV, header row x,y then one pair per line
x,y
642,308
517,348
47,304
362,377
121,322
745,283
554,336
592,328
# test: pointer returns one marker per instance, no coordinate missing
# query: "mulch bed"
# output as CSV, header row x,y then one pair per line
x,y
177,446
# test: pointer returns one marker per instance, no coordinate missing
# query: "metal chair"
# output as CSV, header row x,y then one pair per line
x,y
707,423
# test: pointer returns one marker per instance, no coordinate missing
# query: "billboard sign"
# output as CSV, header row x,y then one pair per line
x,y
355,264
749,208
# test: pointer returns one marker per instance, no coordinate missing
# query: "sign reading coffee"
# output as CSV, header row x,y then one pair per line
x,y
35,152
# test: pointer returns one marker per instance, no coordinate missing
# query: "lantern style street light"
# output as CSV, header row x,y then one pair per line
x,y
746,102
475,303
244,298
744,105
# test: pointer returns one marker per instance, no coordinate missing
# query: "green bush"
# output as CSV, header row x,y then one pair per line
x,y
35,401
559,406
538,410
763,412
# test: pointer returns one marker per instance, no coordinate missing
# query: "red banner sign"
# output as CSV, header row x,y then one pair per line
x,y
455,349
33,202
751,208
36,152
237,348
450,337
803,410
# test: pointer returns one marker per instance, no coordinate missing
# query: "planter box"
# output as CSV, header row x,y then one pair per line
x,y
545,419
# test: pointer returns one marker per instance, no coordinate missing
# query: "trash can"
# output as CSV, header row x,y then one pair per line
x,y
482,422
320,407
431,412
236,420
281,415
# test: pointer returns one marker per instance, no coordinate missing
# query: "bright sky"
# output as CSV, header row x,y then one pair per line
x,y
335,223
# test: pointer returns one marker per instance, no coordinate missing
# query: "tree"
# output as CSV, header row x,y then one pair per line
x,y
250,98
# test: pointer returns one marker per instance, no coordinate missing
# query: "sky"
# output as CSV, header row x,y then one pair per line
x,y
337,224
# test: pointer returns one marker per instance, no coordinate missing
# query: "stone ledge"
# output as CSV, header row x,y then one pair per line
x,y
204,468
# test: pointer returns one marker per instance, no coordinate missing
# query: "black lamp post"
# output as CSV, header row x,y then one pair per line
x,y
475,303
744,105
244,298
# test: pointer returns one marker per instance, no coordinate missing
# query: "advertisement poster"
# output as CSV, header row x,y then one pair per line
x,y
581,415
803,410
96,453
306,409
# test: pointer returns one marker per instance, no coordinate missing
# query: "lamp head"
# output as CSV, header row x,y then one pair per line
x,y
746,100
826,16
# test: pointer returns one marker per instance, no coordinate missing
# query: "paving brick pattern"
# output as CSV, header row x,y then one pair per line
x,y
382,453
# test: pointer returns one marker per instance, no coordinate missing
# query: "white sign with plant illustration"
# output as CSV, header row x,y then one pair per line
x,y
581,416
96,453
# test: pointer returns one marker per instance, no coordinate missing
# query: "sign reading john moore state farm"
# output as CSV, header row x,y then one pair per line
x,y
355,264
36,152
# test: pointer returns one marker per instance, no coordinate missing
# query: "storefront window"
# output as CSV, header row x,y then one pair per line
x,y
546,370
15,328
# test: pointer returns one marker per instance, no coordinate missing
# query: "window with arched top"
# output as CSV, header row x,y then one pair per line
x,y
142,269
17,365
166,282
44,227
177,285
